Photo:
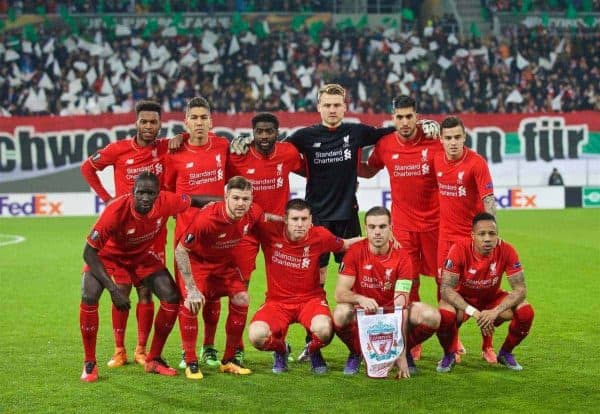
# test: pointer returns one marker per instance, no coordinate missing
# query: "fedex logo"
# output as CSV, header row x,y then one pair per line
x,y
38,205
516,198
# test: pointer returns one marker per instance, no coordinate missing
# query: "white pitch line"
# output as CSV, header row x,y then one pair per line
x,y
11,239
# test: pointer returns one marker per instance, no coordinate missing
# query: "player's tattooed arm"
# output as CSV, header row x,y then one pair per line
x,y
489,204
517,295
194,300
449,293
98,272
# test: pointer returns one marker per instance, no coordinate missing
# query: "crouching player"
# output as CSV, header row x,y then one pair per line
x,y
471,287
294,292
374,273
121,245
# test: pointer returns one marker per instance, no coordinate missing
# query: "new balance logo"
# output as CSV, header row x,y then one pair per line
x,y
251,171
368,267
130,231
129,161
220,236
395,156
189,165
472,271
317,145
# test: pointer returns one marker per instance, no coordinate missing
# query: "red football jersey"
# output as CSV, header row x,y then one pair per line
x,y
480,276
213,235
293,266
129,160
196,170
415,205
462,186
376,275
269,175
122,232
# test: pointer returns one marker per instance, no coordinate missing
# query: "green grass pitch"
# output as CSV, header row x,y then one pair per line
x,y
41,352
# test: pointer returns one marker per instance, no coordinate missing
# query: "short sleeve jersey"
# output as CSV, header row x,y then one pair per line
x,y
376,275
480,276
293,266
213,235
122,232
415,204
197,170
269,174
462,185
331,157
129,160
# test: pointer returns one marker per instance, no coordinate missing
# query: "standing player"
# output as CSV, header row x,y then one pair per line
x,y
198,168
121,246
471,280
129,158
465,189
408,155
205,257
374,274
294,292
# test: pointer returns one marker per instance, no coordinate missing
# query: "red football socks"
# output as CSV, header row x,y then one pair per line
x,y
448,332
144,313
518,328
236,321
210,315
188,326
119,323
349,335
88,323
163,324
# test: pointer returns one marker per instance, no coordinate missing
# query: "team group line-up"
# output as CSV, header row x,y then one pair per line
x,y
229,199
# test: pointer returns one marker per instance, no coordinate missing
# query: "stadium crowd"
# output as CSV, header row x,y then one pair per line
x,y
538,5
244,67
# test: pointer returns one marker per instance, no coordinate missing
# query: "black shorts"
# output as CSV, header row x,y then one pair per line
x,y
345,229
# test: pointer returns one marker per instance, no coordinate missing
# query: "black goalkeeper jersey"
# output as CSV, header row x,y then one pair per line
x,y
331,156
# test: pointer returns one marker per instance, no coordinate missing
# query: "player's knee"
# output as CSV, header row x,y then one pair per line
x,y
321,327
89,297
258,332
525,313
170,295
240,299
430,317
342,315
144,294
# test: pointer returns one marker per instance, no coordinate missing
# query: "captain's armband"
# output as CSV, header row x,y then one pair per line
x,y
403,285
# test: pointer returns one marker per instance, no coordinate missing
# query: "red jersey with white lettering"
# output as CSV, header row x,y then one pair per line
x,y
129,160
269,174
293,266
212,236
462,186
196,170
415,205
376,275
122,232
480,276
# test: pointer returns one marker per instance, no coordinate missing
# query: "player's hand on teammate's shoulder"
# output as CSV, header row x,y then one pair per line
x,y
241,144
430,128
176,142
119,299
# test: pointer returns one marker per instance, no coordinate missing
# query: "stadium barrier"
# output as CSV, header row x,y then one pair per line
x,y
513,198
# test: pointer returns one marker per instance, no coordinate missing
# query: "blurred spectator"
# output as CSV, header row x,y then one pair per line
x,y
555,178
103,68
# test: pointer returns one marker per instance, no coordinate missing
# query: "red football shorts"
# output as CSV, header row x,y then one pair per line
x,y
422,248
279,315
245,256
127,271
215,283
